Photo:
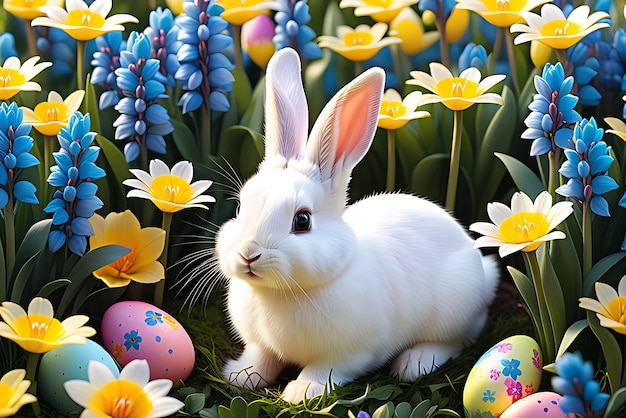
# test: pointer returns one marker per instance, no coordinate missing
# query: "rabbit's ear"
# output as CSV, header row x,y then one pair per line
x,y
346,126
286,111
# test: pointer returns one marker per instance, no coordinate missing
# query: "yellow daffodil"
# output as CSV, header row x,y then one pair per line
x,y
146,244
360,43
457,93
256,39
13,394
396,112
50,116
238,12
176,6
455,26
38,331
132,394
379,10
409,28
172,190
610,308
618,127
552,28
502,13
524,226
83,22
16,77
29,9
540,54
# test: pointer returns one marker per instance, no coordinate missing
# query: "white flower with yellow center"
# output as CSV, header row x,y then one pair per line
x,y
132,394
502,13
38,331
522,227
172,190
16,77
395,112
379,10
456,93
552,28
13,394
83,22
610,308
360,43
50,116
28,9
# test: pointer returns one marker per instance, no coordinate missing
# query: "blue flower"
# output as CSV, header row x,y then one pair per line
x,y
511,368
163,34
575,382
7,46
587,167
141,118
105,61
473,56
291,29
489,396
132,340
204,69
74,200
153,318
552,111
441,8
59,48
585,69
15,144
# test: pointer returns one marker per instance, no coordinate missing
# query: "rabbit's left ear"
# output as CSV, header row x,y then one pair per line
x,y
346,126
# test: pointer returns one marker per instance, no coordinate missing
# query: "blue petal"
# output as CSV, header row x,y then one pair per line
x,y
86,190
600,164
81,226
599,206
56,240
573,188
221,79
540,146
87,207
26,160
603,184
60,217
190,101
4,198
108,99
25,192
77,244
131,151
219,102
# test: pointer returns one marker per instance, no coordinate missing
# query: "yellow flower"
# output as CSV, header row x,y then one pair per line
x,y
146,245
555,30
360,43
456,25
457,93
132,394
15,77
29,9
502,13
409,28
256,39
170,191
540,54
38,331
83,22
524,226
618,126
396,112
176,6
379,10
13,394
610,308
49,117
238,12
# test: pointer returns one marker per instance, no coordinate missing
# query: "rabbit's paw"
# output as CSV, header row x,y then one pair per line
x,y
297,391
256,368
422,359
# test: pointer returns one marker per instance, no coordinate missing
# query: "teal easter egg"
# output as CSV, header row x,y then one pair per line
x,y
506,373
68,362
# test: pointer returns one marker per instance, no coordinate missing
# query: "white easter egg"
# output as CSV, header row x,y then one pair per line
x,y
537,405
506,373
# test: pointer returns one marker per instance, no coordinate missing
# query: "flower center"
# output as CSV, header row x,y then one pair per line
x,y
85,18
33,3
457,87
121,399
524,227
170,188
39,327
10,77
560,28
124,263
505,5
50,111
358,39
392,109
617,309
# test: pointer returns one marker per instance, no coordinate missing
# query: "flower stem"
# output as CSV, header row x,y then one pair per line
x,y
546,333
31,38
31,373
391,160
561,56
587,239
80,64
236,34
9,230
159,288
554,178
205,131
510,52
443,43
455,160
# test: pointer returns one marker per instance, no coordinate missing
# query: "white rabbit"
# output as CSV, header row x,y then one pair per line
x,y
340,290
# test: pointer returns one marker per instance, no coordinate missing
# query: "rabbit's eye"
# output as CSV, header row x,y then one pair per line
x,y
302,221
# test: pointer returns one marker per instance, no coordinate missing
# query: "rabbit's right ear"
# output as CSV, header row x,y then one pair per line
x,y
286,111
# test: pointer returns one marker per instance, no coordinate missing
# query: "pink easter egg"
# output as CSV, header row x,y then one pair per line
x,y
537,405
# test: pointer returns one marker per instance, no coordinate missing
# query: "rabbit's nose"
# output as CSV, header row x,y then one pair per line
x,y
250,258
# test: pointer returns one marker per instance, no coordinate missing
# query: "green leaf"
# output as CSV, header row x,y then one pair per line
x,y
616,402
90,105
403,410
554,297
385,411
185,141
421,410
242,91
527,291
242,148
570,335
384,393
563,254
525,179
194,403
49,288
3,275
610,349
22,279
600,268
255,111
116,163
34,242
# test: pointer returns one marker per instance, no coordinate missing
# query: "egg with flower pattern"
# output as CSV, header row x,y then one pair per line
x,y
537,405
138,330
506,373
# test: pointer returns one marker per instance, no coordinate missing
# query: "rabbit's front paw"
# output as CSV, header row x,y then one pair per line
x,y
297,390
256,368
245,376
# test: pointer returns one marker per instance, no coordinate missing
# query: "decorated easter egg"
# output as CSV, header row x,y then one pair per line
x,y
138,330
537,405
506,373
65,363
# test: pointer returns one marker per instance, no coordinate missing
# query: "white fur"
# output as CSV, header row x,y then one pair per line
x,y
391,276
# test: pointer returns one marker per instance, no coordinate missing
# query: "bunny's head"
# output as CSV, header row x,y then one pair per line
x,y
289,232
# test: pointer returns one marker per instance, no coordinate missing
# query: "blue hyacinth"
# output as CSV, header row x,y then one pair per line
x,y
163,35
205,72
105,61
473,56
292,29
7,46
74,200
15,145
585,68
141,118
441,8
587,168
552,111
581,393
59,48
